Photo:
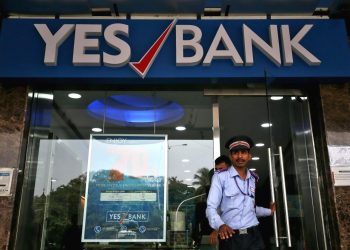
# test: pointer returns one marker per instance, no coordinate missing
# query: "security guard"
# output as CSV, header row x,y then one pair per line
x,y
232,192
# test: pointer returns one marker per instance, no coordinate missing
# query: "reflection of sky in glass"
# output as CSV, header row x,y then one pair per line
x,y
69,159
199,154
132,160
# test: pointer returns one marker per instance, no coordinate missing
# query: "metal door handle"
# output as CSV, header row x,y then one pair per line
x,y
284,196
273,197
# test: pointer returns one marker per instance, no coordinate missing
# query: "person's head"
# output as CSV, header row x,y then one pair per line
x,y
222,163
239,147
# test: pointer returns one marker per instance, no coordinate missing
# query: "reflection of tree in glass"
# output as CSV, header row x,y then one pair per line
x,y
64,203
178,191
202,179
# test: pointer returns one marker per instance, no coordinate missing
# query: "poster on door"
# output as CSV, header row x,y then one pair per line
x,y
125,198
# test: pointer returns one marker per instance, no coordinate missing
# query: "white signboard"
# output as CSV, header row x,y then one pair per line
x,y
339,156
5,181
339,160
341,176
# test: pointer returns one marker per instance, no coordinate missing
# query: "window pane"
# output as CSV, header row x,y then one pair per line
x,y
53,194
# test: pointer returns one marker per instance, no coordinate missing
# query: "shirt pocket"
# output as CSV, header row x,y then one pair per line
x,y
231,197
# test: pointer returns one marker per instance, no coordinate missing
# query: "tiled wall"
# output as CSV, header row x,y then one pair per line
x,y
336,108
12,113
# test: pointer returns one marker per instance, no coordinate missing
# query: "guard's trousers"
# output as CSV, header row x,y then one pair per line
x,y
252,240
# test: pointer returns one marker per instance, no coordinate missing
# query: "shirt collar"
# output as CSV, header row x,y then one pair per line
x,y
233,172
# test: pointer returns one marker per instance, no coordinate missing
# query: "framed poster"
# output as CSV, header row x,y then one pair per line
x,y
125,196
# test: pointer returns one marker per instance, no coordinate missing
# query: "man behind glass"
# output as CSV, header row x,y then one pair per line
x,y
233,192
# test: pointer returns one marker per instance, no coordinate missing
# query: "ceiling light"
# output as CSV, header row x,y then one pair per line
x,y
74,95
135,110
266,125
180,128
303,98
276,98
255,158
260,144
293,98
185,160
41,96
97,130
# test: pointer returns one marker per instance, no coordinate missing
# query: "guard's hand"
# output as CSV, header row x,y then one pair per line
x,y
272,207
213,238
225,232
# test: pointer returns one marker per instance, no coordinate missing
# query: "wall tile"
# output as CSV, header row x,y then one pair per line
x,y
336,108
12,112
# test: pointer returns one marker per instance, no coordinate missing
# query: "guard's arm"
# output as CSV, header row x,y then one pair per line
x,y
213,202
262,211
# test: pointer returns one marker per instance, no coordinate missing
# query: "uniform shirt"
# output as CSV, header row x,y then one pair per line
x,y
237,209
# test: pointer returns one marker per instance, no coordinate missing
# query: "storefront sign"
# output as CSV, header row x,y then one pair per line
x,y
5,181
125,190
174,48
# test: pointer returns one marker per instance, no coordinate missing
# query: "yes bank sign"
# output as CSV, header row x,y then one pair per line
x,y
173,48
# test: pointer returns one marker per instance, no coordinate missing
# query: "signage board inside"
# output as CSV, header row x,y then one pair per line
x,y
125,189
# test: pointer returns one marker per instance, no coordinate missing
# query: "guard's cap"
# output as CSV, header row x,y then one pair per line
x,y
240,142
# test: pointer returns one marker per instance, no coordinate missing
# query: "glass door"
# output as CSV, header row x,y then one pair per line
x,y
298,222
279,123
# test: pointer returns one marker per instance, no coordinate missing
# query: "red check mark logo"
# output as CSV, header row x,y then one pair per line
x,y
141,67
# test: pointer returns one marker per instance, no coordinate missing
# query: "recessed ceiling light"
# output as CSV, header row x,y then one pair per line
x,y
276,98
74,95
97,130
266,125
185,160
260,144
255,158
180,128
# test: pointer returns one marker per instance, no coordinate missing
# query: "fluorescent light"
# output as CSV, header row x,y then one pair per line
x,y
97,130
266,125
255,158
185,160
260,144
41,96
74,95
276,98
180,128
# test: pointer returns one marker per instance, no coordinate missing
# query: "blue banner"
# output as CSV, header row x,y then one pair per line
x,y
131,49
125,191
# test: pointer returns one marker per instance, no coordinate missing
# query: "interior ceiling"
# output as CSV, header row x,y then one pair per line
x,y
77,7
